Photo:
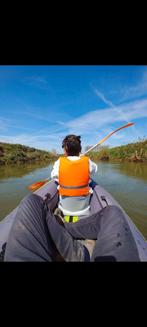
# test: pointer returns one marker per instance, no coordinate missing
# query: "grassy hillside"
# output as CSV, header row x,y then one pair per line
x,y
133,152
18,154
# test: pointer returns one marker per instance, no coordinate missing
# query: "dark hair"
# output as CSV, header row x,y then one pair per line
x,y
72,145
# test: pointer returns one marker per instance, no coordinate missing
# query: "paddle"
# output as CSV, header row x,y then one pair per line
x,y
106,137
39,184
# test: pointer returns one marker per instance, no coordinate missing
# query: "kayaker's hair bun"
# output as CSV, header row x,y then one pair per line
x,y
72,144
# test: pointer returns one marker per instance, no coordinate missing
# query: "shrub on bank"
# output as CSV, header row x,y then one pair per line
x,y
130,152
17,153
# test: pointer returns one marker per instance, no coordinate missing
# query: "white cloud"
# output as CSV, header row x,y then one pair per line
x,y
118,111
103,117
92,126
98,123
38,81
103,98
126,91
137,90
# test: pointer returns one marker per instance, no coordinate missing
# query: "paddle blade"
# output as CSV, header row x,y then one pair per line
x,y
36,185
118,129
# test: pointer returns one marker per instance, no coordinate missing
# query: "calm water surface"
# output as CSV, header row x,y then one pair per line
x,y
127,182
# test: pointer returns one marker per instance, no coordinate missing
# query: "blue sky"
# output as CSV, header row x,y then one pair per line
x,y
40,105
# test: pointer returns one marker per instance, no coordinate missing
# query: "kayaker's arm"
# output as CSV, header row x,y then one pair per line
x,y
93,167
55,170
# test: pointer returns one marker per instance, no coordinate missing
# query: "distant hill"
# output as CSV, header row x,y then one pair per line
x,y
18,154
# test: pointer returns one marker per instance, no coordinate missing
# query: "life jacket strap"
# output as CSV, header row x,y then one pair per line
x,y
74,187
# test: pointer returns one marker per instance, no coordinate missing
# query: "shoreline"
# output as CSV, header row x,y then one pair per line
x,y
45,162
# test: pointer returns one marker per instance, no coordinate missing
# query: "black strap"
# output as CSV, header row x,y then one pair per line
x,y
70,219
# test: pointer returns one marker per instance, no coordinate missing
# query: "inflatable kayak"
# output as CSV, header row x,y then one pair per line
x,y
99,199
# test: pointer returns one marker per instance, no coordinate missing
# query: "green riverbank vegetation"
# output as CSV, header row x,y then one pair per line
x,y
133,152
20,154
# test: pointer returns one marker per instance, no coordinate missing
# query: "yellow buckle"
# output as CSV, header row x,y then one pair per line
x,y
68,219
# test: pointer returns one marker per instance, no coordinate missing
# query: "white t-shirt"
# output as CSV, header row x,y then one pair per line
x,y
55,170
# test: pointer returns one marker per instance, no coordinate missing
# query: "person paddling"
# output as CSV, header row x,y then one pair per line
x,y
72,171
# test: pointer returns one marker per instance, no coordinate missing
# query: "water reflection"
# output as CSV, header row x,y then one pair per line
x,y
14,182
136,170
128,185
20,170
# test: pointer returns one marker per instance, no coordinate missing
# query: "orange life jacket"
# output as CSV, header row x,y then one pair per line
x,y
74,176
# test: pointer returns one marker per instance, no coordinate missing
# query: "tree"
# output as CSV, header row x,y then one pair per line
x,y
54,152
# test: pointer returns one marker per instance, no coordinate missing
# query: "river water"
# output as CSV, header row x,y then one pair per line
x,y
127,182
